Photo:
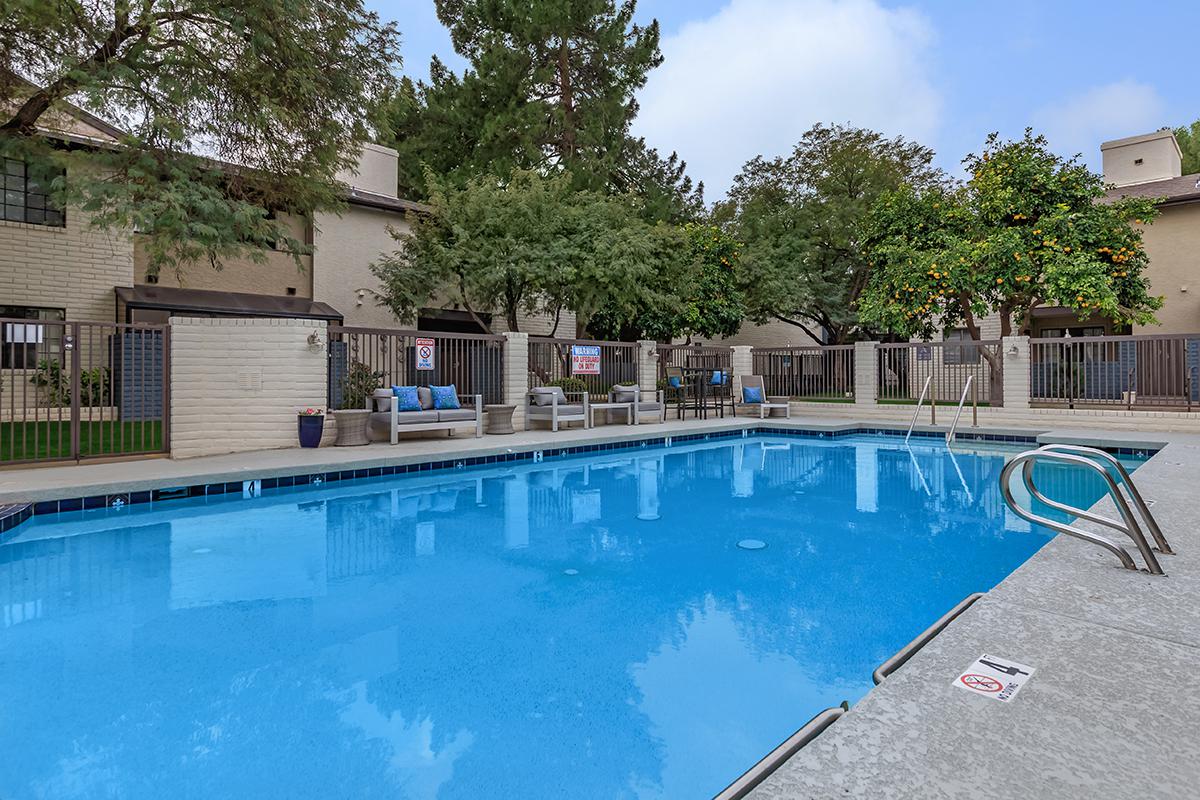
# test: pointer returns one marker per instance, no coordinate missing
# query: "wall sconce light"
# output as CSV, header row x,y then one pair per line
x,y
315,343
1012,351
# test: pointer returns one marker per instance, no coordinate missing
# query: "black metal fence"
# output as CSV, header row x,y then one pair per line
x,y
904,368
79,390
1150,371
820,373
552,360
364,359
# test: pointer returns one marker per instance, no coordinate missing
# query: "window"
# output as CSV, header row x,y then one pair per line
x,y
959,353
25,200
23,344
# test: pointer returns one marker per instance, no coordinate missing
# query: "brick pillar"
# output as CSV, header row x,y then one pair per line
x,y
1015,352
516,374
866,386
647,365
742,362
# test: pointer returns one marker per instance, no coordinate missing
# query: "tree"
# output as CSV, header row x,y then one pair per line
x,y
1028,229
1189,144
526,244
281,91
694,293
550,87
801,218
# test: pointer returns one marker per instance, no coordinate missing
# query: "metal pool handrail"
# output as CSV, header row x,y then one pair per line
x,y
752,777
1025,462
917,410
958,413
925,637
1160,540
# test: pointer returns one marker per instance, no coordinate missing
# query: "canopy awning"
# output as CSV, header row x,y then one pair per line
x,y
207,302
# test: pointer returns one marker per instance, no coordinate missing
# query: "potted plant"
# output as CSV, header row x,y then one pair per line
x,y
352,414
310,423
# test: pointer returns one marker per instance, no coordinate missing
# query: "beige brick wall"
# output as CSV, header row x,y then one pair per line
x,y
73,268
236,383
345,246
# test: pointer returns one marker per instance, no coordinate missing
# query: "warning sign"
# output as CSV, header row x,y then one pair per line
x,y
995,677
425,351
585,359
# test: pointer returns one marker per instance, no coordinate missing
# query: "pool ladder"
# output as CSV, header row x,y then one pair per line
x,y
1089,457
962,400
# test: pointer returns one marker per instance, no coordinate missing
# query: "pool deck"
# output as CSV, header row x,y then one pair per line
x,y
1110,712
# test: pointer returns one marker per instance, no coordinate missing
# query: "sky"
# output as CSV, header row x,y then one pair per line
x,y
742,78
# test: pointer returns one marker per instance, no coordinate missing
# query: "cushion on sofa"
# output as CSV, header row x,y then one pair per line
x,y
542,395
416,417
425,396
445,398
406,398
456,414
624,393
545,412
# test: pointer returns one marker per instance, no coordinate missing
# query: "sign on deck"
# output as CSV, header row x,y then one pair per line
x,y
425,352
585,359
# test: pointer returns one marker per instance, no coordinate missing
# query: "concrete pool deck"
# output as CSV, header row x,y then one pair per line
x,y
1109,713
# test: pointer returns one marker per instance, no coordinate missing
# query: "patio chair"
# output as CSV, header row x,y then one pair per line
x,y
719,389
633,394
676,390
756,382
549,404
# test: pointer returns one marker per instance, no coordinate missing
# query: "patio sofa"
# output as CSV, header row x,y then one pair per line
x,y
550,404
388,422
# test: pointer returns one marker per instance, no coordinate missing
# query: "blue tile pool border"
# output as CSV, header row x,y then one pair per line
x,y
12,515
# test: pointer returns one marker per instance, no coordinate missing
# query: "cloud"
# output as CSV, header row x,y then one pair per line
x,y
1112,111
753,77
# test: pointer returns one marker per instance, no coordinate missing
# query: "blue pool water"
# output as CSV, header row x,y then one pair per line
x,y
585,627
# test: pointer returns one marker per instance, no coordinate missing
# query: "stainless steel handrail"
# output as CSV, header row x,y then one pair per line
x,y
1131,529
1160,540
917,410
961,401
925,637
752,777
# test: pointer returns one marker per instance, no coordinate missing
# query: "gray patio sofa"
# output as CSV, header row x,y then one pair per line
x,y
549,404
631,393
388,421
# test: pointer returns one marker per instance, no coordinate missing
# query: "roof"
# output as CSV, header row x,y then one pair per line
x,y
1164,133
240,304
1185,189
359,197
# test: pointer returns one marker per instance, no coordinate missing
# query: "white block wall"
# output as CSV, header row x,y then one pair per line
x,y
647,365
236,384
516,374
866,388
1016,371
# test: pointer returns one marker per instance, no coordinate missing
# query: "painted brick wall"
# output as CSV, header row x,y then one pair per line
x,y
236,383
74,267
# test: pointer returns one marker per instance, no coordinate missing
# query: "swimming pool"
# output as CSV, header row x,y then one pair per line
x,y
583,627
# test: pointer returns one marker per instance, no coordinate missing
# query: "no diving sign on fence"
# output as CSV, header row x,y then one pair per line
x,y
425,351
995,677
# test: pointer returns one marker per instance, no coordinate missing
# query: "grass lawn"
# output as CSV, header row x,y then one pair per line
x,y
912,401
52,439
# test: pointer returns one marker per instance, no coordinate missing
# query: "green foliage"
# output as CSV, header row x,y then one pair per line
x,y
95,384
550,87
570,384
358,384
695,294
801,218
1189,144
1028,229
281,91
528,243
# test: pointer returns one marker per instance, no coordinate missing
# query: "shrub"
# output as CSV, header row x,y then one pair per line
x,y
358,384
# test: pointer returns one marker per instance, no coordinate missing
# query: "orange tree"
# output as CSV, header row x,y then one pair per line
x,y
1027,229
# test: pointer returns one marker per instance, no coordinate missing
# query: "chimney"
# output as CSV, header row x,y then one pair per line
x,y
375,171
1142,159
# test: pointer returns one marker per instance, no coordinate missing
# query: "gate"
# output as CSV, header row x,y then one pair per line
x,y
71,391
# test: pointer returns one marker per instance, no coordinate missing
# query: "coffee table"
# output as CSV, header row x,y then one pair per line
x,y
630,419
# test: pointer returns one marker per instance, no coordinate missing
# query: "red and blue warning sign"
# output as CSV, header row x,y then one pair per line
x,y
425,353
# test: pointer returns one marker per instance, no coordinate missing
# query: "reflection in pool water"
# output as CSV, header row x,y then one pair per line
x,y
583,628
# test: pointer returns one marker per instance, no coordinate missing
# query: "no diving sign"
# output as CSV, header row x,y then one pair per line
x,y
425,350
998,678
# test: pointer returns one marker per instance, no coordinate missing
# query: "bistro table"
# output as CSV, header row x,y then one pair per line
x,y
700,379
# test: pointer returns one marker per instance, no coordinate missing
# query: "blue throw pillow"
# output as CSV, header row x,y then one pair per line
x,y
674,382
718,378
406,398
751,394
445,397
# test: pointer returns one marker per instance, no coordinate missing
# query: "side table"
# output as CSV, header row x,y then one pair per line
x,y
351,427
778,412
499,418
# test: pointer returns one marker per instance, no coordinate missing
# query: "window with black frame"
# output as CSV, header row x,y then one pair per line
x,y
25,198
959,353
24,343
